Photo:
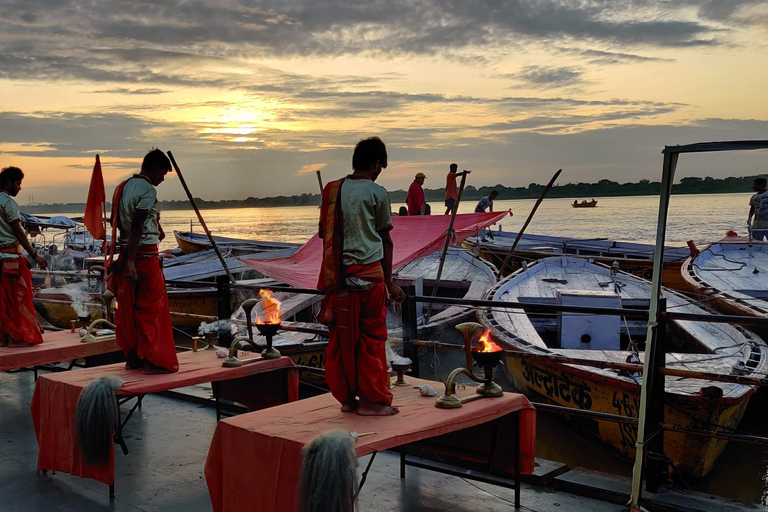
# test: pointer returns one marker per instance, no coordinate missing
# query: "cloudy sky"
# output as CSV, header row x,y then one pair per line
x,y
253,97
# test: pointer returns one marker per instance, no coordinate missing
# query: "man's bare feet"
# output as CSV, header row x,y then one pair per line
x,y
350,405
3,340
19,344
132,361
371,409
153,369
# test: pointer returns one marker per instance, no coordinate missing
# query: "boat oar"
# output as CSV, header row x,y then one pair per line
x,y
749,231
528,220
320,181
448,235
200,218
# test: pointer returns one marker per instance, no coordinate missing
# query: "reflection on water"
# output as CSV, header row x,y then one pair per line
x,y
742,469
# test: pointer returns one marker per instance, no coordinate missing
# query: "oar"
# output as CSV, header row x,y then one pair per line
x,y
200,218
528,220
749,231
448,235
320,181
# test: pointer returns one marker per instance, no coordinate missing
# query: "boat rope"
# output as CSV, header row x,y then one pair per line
x,y
632,347
714,254
435,363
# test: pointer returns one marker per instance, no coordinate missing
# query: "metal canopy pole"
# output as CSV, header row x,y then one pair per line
x,y
671,154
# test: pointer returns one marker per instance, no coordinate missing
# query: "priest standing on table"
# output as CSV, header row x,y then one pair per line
x,y
18,323
143,319
356,276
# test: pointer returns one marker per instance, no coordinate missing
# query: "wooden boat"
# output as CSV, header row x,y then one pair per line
x,y
194,242
718,348
733,274
632,257
584,204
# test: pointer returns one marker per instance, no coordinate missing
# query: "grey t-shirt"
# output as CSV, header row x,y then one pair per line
x,y
365,211
484,204
9,213
139,194
760,203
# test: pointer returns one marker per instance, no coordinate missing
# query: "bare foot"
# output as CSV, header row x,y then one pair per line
x,y
3,340
152,369
19,344
369,409
132,361
350,405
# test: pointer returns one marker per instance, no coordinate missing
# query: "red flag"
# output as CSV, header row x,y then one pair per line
x,y
96,205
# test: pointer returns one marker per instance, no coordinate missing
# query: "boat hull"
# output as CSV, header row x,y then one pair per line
x,y
567,386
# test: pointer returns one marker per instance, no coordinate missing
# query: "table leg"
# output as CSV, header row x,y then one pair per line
x,y
402,462
111,491
517,459
217,397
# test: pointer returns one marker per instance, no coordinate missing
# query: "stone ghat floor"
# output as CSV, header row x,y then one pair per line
x,y
168,441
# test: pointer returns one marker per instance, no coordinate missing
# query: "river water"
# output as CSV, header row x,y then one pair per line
x,y
742,472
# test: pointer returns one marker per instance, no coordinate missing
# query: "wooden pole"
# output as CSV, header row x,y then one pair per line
x,y
528,220
200,218
320,181
448,236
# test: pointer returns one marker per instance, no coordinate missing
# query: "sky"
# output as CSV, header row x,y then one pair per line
x,y
253,97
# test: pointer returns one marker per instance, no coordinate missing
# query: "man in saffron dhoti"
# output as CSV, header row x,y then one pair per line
x,y
18,323
143,319
356,276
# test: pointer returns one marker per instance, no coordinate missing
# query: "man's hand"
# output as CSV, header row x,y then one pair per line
x,y
130,270
41,262
395,293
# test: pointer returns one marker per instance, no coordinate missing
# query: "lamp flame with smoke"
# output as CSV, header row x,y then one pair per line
x,y
271,308
486,345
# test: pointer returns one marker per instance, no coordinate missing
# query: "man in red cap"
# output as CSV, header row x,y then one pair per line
x,y
18,323
415,199
143,317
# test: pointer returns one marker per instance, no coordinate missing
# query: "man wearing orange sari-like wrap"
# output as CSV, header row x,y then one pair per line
x,y
143,317
19,327
356,276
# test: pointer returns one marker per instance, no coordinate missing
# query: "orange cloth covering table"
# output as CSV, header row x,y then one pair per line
x,y
254,459
53,404
56,347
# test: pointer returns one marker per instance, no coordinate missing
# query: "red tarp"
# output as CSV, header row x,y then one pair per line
x,y
56,346
53,404
254,459
413,237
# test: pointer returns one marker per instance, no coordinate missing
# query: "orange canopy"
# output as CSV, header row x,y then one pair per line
x,y
254,459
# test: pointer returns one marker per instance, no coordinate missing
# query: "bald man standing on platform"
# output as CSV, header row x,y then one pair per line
x,y
18,323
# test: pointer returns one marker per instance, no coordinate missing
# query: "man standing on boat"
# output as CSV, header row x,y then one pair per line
x,y
451,190
356,276
415,199
758,206
18,323
143,318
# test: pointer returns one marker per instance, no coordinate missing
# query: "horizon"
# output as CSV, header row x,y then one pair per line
x,y
254,97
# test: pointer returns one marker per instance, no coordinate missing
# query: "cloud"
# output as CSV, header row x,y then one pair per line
x,y
544,77
122,90
310,168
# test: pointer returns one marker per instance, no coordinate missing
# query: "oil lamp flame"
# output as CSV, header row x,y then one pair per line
x,y
486,345
271,308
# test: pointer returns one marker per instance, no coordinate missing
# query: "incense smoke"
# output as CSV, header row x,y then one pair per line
x,y
96,417
80,298
328,477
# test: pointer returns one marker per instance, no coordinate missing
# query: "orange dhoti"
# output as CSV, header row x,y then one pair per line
x,y
355,360
143,317
17,313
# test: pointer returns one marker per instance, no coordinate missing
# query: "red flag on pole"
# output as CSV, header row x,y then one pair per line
x,y
96,206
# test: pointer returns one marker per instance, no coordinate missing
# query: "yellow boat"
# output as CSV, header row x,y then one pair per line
x,y
698,346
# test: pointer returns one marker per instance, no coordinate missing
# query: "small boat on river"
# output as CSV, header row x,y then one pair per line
x,y
698,346
635,258
194,242
584,204
734,273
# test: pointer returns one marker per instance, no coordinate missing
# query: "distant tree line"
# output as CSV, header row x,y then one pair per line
x,y
602,188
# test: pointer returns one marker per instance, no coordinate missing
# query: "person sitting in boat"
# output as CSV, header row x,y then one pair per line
x,y
486,203
575,201
402,212
18,323
356,276
758,207
143,317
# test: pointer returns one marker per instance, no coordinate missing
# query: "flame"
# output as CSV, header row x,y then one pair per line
x,y
486,345
271,308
